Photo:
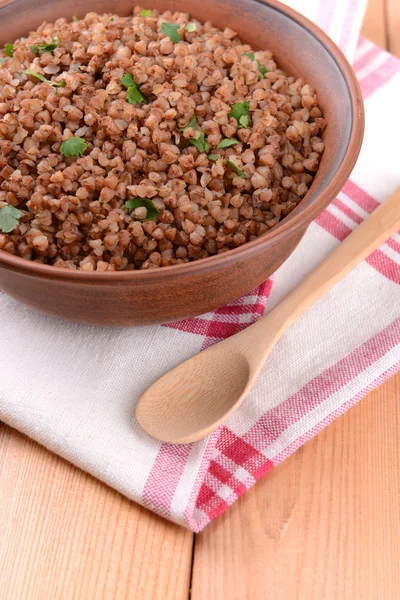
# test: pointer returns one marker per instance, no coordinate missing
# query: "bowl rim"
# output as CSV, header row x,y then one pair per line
x,y
293,222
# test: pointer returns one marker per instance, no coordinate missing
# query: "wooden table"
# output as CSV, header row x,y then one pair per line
x,y
324,525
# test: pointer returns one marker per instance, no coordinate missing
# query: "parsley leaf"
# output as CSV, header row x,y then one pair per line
x,y
212,156
152,212
75,19
135,96
191,27
200,143
43,78
262,68
192,123
127,80
112,19
171,30
74,146
236,169
9,216
55,42
249,54
227,142
239,112
145,13
9,50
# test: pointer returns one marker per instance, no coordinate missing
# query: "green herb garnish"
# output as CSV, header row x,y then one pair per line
x,y
112,19
200,143
152,211
127,80
212,156
75,19
43,78
9,216
239,112
40,48
74,146
227,142
171,30
134,96
145,13
9,50
191,27
192,124
236,169
262,68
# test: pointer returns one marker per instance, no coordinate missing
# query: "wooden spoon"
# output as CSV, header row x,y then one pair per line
x,y
197,396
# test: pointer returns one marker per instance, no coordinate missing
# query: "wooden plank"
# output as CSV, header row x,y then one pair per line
x,y
374,22
324,524
66,535
393,25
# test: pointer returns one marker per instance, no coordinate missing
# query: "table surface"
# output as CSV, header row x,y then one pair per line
x,y
324,525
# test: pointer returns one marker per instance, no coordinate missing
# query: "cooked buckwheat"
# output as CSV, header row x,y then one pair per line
x,y
150,144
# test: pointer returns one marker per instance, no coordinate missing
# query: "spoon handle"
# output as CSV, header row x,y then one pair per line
x,y
367,237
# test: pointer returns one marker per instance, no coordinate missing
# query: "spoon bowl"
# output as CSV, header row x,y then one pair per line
x,y
206,388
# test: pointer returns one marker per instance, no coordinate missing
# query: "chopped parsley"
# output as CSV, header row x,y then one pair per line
x,y
134,96
40,48
191,27
43,78
239,112
171,30
127,80
200,143
212,156
192,124
145,13
236,169
74,146
75,19
112,19
227,142
262,68
152,211
9,216
9,50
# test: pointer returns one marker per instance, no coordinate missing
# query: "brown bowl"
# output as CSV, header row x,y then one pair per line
x,y
171,293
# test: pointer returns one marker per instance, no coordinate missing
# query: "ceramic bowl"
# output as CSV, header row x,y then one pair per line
x,y
176,292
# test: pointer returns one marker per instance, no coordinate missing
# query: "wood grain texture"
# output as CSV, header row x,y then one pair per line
x,y
66,536
323,525
393,26
374,26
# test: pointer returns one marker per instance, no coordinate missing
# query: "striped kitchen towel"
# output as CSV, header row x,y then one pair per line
x,y
73,388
